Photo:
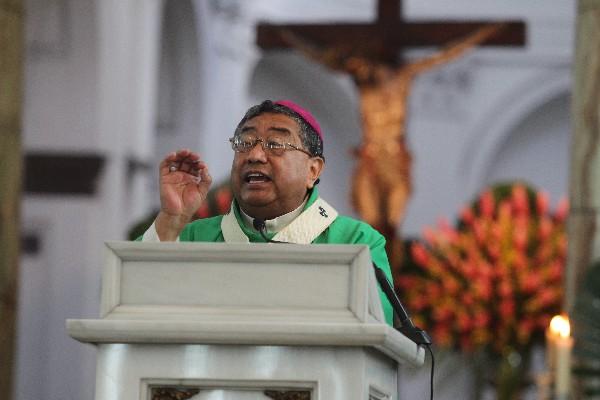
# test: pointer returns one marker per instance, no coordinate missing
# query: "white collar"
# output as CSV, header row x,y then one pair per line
x,y
276,224
303,230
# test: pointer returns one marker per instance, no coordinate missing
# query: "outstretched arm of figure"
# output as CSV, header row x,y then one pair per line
x,y
184,183
338,58
452,51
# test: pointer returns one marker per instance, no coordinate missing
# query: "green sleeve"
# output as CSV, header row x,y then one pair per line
x,y
201,230
379,257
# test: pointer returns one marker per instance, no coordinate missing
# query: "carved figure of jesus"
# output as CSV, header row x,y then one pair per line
x,y
382,180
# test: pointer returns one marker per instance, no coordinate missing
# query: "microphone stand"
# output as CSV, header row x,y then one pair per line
x,y
407,328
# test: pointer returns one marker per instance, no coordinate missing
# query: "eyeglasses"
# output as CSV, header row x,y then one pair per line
x,y
273,145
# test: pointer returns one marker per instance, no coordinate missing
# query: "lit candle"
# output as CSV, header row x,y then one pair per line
x,y
551,335
561,344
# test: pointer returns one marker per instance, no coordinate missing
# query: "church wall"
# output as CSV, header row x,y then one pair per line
x,y
128,48
178,113
456,150
88,92
60,117
53,287
526,97
541,140
60,80
227,59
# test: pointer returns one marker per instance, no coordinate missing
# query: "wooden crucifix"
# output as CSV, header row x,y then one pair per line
x,y
371,54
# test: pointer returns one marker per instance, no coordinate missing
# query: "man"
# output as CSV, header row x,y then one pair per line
x,y
277,163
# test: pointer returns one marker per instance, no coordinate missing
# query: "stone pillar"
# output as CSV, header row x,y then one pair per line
x,y
584,196
11,95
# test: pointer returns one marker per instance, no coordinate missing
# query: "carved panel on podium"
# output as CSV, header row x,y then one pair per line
x,y
226,391
378,394
288,394
172,393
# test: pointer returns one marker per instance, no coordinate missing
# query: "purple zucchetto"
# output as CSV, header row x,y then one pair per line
x,y
305,114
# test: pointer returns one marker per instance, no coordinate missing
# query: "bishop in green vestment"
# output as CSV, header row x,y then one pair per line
x,y
274,189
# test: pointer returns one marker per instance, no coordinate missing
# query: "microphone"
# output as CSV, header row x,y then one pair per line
x,y
417,335
260,225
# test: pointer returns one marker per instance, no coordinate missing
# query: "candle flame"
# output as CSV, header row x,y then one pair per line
x,y
559,325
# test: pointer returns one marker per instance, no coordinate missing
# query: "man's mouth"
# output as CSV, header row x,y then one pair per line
x,y
256,177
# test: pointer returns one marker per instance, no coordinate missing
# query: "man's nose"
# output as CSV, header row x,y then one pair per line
x,y
257,153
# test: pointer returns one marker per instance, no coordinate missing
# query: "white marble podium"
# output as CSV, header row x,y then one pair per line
x,y
242,322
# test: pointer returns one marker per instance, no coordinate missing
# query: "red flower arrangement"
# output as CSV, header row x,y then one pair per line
x,y
495,279
218,202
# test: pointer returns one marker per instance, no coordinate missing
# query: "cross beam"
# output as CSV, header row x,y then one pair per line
x,y
384,39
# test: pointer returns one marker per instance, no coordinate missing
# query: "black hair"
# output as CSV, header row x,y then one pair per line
x,y
311,140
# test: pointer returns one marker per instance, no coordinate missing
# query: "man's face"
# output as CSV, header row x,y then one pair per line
x,y
266,185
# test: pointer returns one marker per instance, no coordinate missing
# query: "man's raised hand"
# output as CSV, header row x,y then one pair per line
x,y
184,185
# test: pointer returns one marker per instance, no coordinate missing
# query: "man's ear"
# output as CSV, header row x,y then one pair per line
x,y
316,165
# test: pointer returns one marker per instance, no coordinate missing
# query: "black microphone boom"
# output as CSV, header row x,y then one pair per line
x,y
407,327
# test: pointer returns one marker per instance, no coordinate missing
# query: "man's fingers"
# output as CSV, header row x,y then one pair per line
x,y
167,160
186,165
181,155
183,160
205,176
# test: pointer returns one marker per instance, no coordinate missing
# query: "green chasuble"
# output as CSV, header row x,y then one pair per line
x,y
343,230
